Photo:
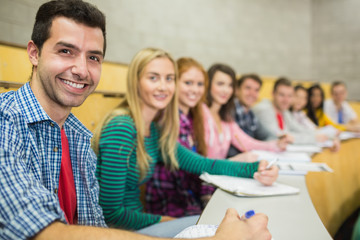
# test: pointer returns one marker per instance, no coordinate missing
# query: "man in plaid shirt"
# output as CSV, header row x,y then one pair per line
x,y
247,94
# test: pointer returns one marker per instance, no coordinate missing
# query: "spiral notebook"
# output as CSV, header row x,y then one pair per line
x,y
247,187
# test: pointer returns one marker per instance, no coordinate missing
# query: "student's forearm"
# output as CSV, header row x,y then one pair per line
x,y
60,231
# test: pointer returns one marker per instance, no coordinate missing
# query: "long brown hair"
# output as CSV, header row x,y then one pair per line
x,y
226,110
184,64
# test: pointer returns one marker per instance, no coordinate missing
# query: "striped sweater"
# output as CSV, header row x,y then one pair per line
x,y
118,174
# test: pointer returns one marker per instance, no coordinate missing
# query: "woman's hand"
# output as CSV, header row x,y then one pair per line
x,y
266,176
166,218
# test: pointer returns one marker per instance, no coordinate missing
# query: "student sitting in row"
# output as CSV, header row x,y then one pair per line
x,y
221,130
246,95
179,193
337,108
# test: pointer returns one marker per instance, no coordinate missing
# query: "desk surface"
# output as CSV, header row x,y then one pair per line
x,y
290,217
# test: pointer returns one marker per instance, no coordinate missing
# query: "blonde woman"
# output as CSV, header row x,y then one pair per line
x,y
179,193
144,131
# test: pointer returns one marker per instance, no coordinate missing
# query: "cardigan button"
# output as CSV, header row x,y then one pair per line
x,y
55,149
55,190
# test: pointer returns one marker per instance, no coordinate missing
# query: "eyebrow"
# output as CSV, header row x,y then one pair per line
x,y
69,45
157,74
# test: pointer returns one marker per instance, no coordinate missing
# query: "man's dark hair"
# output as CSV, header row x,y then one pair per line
x,y
335,84
77,10
227,109
253,76
282,82
300,87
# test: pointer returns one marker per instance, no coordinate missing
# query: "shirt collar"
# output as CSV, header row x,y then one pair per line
x,y
26,100
185,120
33,112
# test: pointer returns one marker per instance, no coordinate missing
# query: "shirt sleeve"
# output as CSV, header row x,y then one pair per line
x,y
26,206
197,164
328,121
350,112
244,142
115,168
266,116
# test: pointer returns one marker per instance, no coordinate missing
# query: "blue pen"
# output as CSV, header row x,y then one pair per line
x,y
249,214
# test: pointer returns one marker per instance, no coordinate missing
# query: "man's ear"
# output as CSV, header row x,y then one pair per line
x,y
33,53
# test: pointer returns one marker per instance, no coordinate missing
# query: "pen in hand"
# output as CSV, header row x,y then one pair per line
x,y
270,164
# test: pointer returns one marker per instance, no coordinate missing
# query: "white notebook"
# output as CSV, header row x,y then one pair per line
x,y
303,148
247,187
283,156
302,168
198,231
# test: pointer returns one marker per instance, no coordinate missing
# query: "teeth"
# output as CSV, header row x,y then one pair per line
x,y
75,85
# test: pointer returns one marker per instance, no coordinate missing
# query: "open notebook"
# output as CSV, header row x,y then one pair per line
x,y
283,156
247,187
199,231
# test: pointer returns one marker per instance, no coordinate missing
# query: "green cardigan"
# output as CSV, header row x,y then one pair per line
x,y
118,174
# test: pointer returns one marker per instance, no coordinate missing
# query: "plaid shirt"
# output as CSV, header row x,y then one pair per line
x,y
177,193
30,160
246,120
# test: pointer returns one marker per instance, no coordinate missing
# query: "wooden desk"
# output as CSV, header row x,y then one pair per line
x,y
290,217
336,195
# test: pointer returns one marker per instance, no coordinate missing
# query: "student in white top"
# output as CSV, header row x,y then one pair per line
x,y
337,108
298,105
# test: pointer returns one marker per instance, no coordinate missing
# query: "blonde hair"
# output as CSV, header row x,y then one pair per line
x,y
167,119
184,64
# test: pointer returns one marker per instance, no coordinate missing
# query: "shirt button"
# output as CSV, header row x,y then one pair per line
x,y
55,149
52,124
55,190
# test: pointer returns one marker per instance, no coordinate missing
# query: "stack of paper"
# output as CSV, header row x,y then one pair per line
x,y
283,156
302,168
247,187
303,148
348,135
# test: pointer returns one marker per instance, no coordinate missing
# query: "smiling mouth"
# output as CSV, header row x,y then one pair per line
x,y
74,85
192,97
161,97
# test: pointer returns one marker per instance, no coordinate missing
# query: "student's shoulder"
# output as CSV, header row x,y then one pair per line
x,y
8,107
205,109
123,122
328,103
264,105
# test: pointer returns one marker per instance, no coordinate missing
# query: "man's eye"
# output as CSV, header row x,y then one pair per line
x,y
95,58
67,51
